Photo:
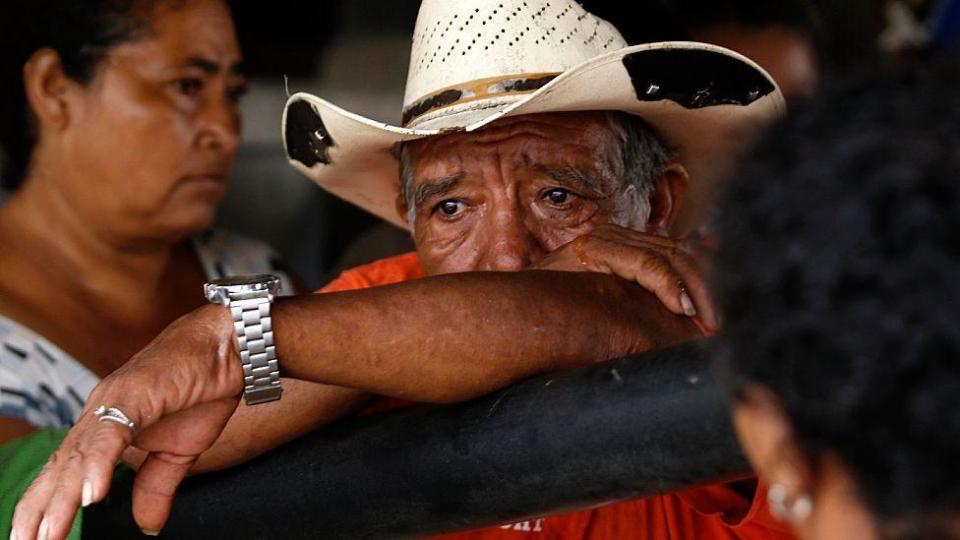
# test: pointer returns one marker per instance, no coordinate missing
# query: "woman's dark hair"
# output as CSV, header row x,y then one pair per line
x,y
839,276
81,32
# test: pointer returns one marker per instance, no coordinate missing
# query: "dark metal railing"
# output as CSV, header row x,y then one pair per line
x,y
617,430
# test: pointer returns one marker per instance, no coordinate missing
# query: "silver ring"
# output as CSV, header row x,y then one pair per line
x,y
115,415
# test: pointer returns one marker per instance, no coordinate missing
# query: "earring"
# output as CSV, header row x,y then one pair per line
x,y
786,507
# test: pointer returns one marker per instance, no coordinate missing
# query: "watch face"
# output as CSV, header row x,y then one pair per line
x,y
237,281
219,290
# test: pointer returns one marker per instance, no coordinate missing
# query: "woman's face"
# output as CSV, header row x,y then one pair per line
x,y
152,138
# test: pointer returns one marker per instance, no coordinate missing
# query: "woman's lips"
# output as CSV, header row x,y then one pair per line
x,y
213,179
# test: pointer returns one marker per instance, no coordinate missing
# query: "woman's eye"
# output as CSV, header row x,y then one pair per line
x,y
189,86
236,93
558,196
450,207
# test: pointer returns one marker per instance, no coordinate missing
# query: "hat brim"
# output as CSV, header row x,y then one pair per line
x,y
705,101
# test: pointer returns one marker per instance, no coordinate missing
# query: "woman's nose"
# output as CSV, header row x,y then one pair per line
x,y
221,125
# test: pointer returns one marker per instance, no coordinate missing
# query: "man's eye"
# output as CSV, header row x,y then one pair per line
x,y
558,196
189,86
450,207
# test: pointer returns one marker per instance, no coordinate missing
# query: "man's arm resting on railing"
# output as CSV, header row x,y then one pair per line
x,y
450,338
439,339
442,339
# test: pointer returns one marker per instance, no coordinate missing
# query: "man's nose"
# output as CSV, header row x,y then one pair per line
x,y
511,246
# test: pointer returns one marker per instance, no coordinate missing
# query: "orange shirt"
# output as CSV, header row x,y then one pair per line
x,y
714,512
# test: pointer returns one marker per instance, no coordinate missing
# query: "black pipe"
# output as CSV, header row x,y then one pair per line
x,y
617,430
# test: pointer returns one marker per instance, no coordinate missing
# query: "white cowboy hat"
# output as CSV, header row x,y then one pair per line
x,y
476,61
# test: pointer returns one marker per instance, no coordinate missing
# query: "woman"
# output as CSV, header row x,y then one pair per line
x,y
120,128
842,311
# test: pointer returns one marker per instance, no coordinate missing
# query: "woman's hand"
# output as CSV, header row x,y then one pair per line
x,y
668,268
180,391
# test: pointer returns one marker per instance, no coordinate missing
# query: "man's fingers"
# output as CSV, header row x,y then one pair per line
x,y
62,508
696,287
86,473
29,511
674,276
83,477
103,446
645,259
154,489
134,457
652,271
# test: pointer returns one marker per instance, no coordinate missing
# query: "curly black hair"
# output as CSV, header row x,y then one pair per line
x,y
839,276
82,32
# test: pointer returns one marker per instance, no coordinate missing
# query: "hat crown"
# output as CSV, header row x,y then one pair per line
x,y
459,42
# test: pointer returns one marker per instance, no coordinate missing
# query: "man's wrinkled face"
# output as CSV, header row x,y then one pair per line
x,y
501,198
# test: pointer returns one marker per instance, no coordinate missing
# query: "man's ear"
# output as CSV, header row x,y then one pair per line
x,y
46,85
667,199
768,440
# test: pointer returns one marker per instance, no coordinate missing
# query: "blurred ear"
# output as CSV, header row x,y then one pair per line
x,y
768,441
46,86
667,199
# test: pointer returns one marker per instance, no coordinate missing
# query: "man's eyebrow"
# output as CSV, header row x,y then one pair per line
x,y
571,176
433,188
211,67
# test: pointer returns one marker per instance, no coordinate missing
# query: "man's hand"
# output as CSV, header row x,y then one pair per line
x,y
668,268
180,391
183,387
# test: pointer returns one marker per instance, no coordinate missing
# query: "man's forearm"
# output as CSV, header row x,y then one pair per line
x,y
441,339
451,338
253,431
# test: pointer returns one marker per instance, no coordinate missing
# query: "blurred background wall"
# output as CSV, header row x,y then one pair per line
x,y
353,53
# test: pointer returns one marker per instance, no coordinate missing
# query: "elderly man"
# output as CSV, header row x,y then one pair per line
x,y
531,164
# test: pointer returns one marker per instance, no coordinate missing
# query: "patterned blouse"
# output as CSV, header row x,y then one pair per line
x,y
46,388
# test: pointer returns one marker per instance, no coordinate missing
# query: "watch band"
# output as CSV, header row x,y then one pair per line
x,y
254,330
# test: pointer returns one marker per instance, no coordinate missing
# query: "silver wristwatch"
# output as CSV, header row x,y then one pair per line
x,y
248,298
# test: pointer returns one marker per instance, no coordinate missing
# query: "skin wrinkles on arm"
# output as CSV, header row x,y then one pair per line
x,y
442,339
439,340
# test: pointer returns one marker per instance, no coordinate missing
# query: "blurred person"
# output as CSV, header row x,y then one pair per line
x,y
920,27
512,158
842,336
120,130
780,36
